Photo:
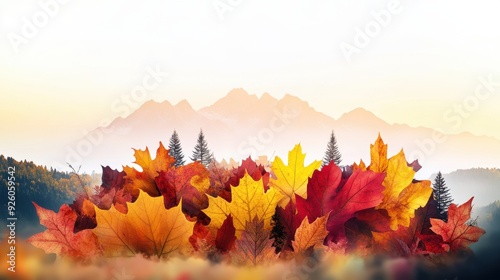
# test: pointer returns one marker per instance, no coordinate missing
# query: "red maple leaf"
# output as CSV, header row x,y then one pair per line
x,y
203,240
255,171
226,236
201,235
112,178
111,192
362,190
322,186
189,183
290,222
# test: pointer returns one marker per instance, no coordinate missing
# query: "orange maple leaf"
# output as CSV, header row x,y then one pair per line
x,y
147,228
145,180
361,166
378,154
456,233
59,237
310,234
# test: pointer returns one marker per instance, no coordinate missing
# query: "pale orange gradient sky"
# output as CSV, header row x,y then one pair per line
x,y
70,75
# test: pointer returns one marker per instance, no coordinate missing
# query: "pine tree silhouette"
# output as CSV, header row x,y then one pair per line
x,y
176,149
201,152
332,152
442,196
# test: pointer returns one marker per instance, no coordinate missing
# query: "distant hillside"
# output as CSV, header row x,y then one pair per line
x,y
482,183
486,214
486,249
49,188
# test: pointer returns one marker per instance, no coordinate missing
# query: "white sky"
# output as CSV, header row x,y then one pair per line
x,y
66,78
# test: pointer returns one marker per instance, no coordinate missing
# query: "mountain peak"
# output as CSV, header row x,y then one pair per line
x,y
150,102
359,113
238,93
290,97
184,105
294,101
267,98
150,105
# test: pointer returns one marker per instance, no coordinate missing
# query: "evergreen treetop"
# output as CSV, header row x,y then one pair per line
x,y
176,149
201,151
332,151
442,196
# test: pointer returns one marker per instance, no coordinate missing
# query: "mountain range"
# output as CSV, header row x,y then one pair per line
x,y
241,125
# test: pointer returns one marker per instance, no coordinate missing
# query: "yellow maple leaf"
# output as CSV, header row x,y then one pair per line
x,y
146,228
145,180
378,154
399,175
292,178
248,200
310,234
402,209
401,196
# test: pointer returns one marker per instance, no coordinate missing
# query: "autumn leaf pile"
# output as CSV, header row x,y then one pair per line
x,y
255,214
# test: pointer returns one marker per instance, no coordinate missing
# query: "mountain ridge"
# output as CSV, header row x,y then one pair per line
x,y
240,124
484,181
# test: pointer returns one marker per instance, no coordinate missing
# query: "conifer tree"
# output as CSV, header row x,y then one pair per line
x,y
201,152
332,152
176,149
442,196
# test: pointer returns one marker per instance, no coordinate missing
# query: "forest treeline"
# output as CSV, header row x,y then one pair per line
x,y
47,187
